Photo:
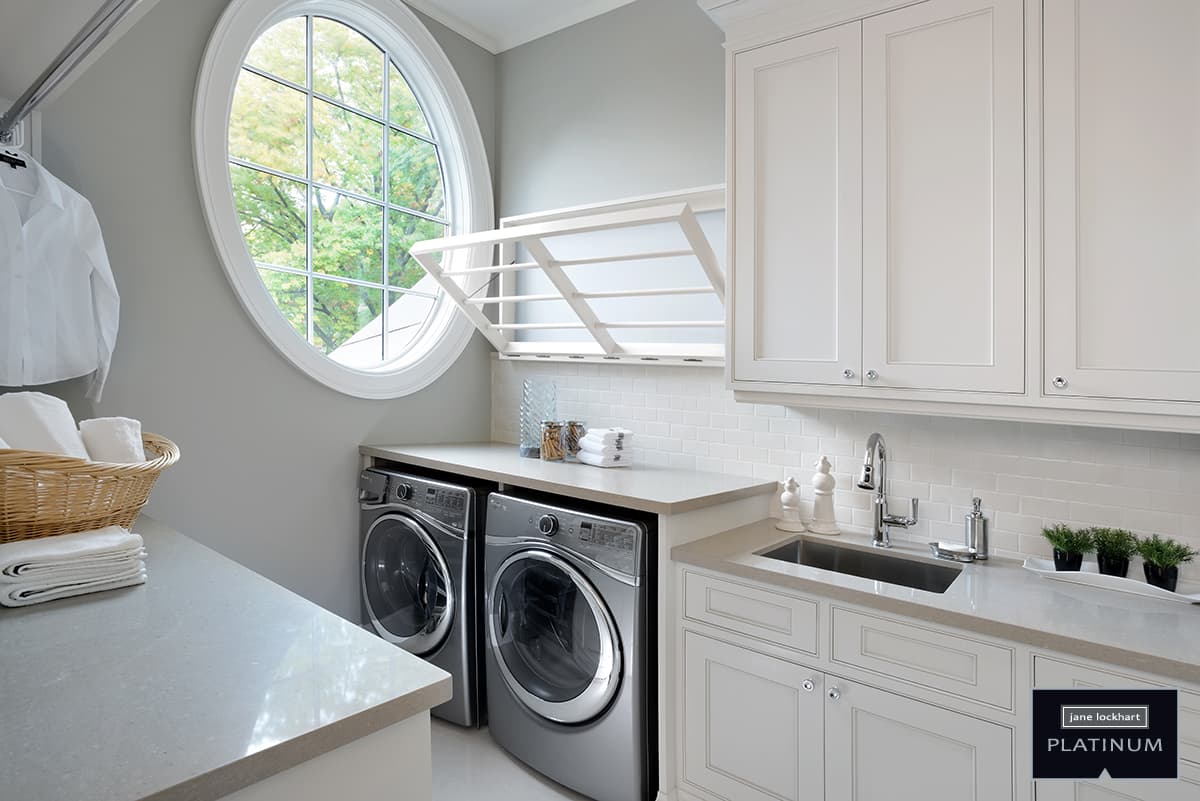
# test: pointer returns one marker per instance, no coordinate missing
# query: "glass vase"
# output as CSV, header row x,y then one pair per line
x,y
539,402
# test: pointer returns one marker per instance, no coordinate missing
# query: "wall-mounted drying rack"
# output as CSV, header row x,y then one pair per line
x,y
111,15
524,247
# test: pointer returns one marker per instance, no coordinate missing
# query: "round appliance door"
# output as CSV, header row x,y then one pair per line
x,y
553,638
406,584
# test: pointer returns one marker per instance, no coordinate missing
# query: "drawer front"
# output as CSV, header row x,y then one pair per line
x,y
947,663
776,618
1057,674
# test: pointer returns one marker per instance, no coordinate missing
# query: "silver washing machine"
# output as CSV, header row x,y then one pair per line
x,y
569,643
420,576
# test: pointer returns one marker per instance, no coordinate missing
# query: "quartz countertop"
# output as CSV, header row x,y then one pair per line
x,y
206,679
648,488
998,598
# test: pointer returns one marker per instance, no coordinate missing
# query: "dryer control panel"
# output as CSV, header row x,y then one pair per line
x,y
446,503
616,544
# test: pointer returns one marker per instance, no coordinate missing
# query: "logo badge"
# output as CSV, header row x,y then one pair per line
x,y
1130,734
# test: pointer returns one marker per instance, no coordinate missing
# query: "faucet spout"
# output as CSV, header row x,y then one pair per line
x,y
877,455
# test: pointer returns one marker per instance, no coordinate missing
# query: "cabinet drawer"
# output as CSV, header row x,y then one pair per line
x,y
1057,674
776,618
947,663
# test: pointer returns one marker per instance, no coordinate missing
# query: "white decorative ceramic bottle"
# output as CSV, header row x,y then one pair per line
x,y
823,521
789,499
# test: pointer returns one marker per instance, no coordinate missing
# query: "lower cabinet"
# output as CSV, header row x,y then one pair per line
x,y
756,727
1186,789
882,747
752,724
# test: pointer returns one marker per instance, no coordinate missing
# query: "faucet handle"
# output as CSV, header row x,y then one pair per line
x,y
915,501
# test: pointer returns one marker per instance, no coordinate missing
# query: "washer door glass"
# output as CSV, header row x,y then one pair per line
x,y
406,584
553,638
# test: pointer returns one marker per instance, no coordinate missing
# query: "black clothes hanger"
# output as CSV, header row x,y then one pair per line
x,y
12,159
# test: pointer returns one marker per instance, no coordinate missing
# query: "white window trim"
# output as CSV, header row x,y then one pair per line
x,y
467,179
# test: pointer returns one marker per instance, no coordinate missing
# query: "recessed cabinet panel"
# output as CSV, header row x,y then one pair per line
x,y
1122,199
1187,788
752,731
943,194
781,619
797,210
883,747
1056,674
930,658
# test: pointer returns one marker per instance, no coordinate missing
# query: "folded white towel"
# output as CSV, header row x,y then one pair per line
x,y
609,434
67,572
27,593
594,451
34,421
620,460
603,444
113,439
43,556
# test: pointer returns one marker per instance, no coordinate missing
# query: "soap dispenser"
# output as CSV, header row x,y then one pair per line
x,y
977,530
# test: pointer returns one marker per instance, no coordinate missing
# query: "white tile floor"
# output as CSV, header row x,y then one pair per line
x,y
469,766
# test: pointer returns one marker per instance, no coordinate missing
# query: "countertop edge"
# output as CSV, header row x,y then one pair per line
x,y
1032,638
598,496
253,768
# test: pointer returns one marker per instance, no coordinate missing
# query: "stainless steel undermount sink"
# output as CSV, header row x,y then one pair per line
x,y
919,575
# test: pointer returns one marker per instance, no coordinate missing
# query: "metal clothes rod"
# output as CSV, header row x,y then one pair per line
x,y
93,33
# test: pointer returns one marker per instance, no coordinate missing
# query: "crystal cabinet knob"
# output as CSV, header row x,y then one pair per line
x,y
808,685
834,693
1059,382
872,375
847,373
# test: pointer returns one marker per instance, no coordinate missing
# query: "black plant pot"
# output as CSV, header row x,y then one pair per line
x,y
1111,566
1067,561
1165,577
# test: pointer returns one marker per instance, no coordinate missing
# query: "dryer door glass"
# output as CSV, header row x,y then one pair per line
x,y
406,584
553,638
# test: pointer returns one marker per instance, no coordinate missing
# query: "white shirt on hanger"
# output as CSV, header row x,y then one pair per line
x,y
58,300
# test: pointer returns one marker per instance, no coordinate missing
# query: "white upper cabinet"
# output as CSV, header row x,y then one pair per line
x,y
1024,180
943,192
1122,199
796,210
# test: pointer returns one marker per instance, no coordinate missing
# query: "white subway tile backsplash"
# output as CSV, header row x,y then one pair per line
x,y
1028,475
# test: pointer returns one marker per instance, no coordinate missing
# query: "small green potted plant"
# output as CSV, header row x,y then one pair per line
x,y
1114,546
1069,545
1162,558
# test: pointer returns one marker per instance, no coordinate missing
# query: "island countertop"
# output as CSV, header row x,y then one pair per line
x,y
206,679
647,488
997,598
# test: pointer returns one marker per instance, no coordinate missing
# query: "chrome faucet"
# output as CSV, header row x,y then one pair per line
x,y
877,453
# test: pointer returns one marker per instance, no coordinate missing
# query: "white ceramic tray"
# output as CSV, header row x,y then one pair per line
x,y
1090,576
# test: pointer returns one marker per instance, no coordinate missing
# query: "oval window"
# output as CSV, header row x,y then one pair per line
x,y
342,148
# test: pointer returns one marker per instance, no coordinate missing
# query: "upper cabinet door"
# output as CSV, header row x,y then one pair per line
x,y
1122,199
943,194
797,225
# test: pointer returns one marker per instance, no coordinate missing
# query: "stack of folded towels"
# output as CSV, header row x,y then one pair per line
x,y
607,447
48,568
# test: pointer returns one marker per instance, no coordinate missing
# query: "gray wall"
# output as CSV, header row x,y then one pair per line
x,y
627,103
269,456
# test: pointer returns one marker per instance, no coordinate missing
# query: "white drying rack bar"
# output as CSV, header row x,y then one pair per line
x,y
603,346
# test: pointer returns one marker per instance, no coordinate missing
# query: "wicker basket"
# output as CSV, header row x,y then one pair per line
x,y
44,494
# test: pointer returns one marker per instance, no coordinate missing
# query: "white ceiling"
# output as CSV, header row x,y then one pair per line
x,y
499,25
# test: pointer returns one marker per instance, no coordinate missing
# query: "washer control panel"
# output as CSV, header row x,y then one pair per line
x,y
616,544
445,503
